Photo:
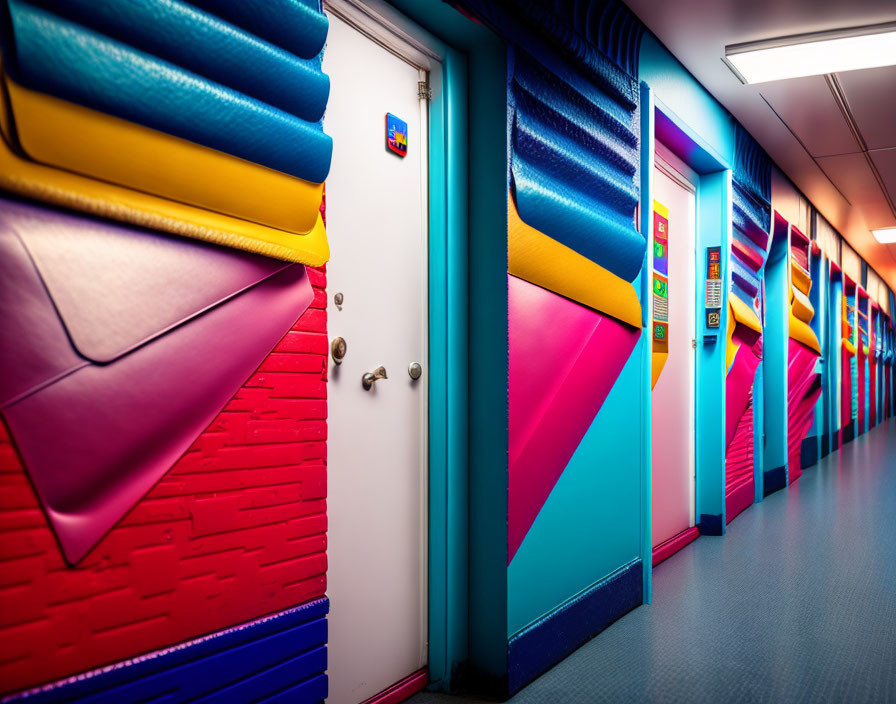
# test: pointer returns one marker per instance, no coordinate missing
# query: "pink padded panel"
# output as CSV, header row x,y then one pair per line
x,y
739,466
803,390
94,438
739,386
564,359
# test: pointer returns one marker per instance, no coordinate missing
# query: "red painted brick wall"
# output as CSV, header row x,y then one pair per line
x,y
236,530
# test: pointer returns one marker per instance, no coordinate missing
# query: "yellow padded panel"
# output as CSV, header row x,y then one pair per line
x,y
849,347
187,175
801,305
731,347
744,315
658,361
801,332
800,278
535,257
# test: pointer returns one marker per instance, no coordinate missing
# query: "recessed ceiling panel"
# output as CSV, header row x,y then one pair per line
x,y
809,109
853,176
872,98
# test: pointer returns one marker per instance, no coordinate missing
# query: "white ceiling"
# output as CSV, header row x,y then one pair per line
x,y
850,178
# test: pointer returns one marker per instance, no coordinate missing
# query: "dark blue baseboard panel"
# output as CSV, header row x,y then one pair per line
x,y
773,480
809,451
825,445
546,642
711,524
849,432
276,659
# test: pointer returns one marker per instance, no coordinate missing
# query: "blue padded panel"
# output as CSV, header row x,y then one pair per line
x,y
585,31
550,639
112,77
285,652
208,46
295,25
574,161
751,196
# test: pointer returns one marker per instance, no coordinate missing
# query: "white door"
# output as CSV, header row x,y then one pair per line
x,y
673,395
377,290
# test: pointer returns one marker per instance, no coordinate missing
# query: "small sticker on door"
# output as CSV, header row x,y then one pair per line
x,y
396,135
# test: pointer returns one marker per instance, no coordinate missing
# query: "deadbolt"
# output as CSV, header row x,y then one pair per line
x,y
368,380
415,371
337,349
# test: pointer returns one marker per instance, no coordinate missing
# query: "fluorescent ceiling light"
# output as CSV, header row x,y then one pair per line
x,y
814,54
885,236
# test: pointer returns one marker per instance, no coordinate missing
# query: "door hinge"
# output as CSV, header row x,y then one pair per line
x,y
424,92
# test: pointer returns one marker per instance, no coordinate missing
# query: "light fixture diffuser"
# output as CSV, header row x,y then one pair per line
x,y
814,54
886,235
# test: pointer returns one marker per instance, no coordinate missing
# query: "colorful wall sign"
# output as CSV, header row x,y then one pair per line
x,y
396,135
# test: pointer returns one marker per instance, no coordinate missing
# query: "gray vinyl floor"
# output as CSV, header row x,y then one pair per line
x,y
797,603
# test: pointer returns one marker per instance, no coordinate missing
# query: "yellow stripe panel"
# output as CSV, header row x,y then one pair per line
x,y
70,190
801,332
849,347
661,209
75,138
801,305
658,361
535,257
800,278
744,315
731,347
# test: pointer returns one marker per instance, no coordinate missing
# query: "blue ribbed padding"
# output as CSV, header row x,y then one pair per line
x,y
207,45
298,26
574,159
751,211
578,29
54,55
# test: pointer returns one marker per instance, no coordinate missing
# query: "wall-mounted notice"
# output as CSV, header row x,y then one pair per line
x,y
660,273
713,277
713,287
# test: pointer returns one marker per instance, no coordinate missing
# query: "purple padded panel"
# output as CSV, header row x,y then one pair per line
x,y
95,437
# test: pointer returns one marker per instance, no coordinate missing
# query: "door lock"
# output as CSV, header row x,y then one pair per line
x,y
338,349
415,370
370,378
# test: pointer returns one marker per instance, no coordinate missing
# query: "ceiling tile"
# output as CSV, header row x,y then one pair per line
x,y
885,161
809,109
852,175
871,94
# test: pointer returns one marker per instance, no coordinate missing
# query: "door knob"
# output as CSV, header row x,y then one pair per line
x,y
368,380
337,349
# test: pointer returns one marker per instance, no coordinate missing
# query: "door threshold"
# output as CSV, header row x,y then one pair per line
x,y
671,546
401,690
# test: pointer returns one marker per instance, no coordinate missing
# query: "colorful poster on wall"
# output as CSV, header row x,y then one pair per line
x,y
660,272
396,135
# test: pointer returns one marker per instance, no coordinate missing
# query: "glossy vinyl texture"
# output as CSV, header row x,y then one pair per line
x,y
574,163
107,74
210,47
103,389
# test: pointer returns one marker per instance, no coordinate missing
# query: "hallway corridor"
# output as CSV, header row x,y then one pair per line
x,y
797,603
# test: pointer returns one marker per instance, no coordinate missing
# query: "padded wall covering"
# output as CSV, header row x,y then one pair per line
x,y
751,196
110,390
803,381
573,193
154,93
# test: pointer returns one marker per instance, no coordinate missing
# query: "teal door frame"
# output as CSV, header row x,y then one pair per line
x,y
468,360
